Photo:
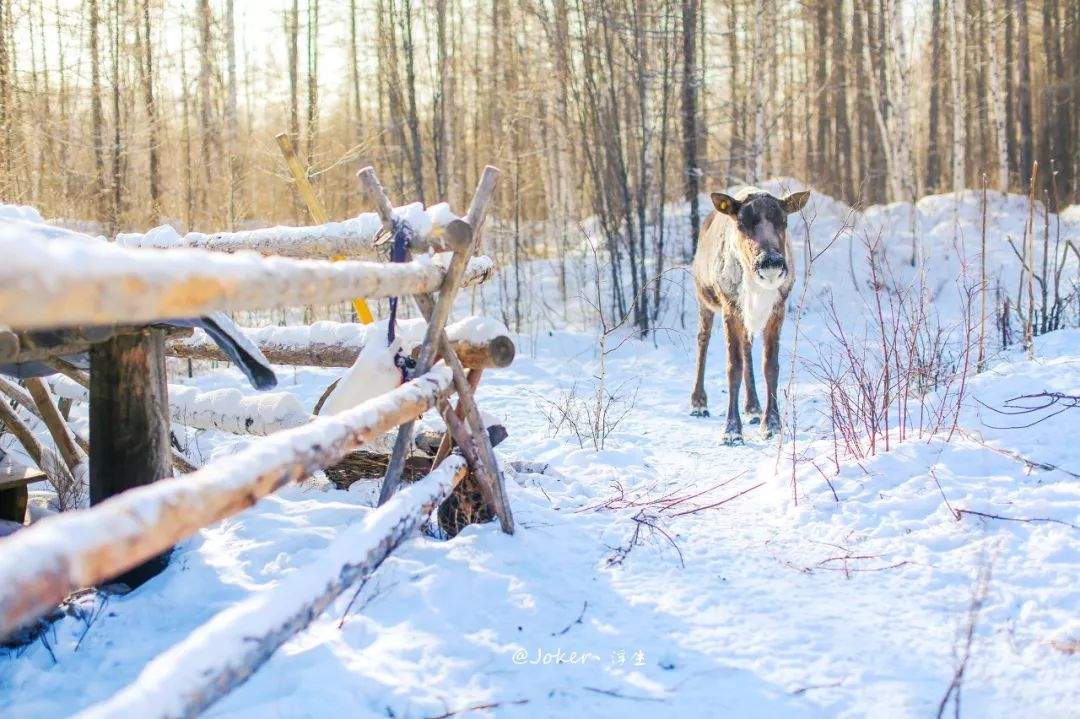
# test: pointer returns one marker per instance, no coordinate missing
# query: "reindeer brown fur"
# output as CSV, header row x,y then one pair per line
x,y
742,270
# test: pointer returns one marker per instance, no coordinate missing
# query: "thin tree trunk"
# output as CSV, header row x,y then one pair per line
x,y
206,130
97,121
933,149
354,72
1023,94
312,129
231,130
821,168
292,32
153,122
1010,94
691,172
417,153
842,159
116,182
959,109
997,108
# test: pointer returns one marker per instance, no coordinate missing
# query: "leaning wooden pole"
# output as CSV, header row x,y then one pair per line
x,y
40,565
185,680
316,210
1029,260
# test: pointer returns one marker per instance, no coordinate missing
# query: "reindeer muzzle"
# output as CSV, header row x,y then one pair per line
x,y
771,266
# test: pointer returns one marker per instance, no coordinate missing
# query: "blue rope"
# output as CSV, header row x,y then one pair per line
x,y
402,235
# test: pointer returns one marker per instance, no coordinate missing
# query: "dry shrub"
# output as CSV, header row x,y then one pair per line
x,y
904,373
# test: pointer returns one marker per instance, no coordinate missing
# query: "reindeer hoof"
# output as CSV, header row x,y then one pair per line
x,y
699,412
733,439
770,429
753,415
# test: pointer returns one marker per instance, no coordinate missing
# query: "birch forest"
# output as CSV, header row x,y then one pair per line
x,y
130,113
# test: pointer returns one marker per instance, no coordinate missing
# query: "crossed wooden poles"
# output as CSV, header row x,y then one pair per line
x,y
463,423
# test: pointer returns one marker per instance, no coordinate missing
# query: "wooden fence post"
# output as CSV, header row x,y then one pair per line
x,y
129,424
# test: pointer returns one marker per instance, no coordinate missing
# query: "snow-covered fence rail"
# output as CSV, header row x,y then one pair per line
x,y
186,679
479,344
75,283
353,238
41,564
226,410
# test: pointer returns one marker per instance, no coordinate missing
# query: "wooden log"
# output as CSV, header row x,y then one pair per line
x,y
40,565
42,345
20,395
80,392
129,426
14,479
62,436
187,679
366,464
23,398
224,410
71,491
355,238
300,180
66,283
447,442
493,353
9,343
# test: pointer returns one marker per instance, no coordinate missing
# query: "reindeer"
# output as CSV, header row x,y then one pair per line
x,y
742,269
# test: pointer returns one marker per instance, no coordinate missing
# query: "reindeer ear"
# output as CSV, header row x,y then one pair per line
x,y
795,201
725,204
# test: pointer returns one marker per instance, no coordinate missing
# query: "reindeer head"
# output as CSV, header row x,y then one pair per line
x,y
761,221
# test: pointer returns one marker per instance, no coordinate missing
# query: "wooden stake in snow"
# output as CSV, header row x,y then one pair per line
x,y
1029,261
219,656
40,565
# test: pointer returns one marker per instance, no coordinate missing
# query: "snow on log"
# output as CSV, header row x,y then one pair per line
x,y
220,655
227,410
42,564
479,342
350,238
66,281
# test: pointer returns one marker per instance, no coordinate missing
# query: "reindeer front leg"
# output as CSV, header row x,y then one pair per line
x,y
772,371
699,403
735,334
752,406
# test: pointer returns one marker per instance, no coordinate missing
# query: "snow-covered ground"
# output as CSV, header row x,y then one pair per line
x,y
666,574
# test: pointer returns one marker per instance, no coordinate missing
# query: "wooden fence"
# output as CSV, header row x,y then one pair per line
x,y
102,297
